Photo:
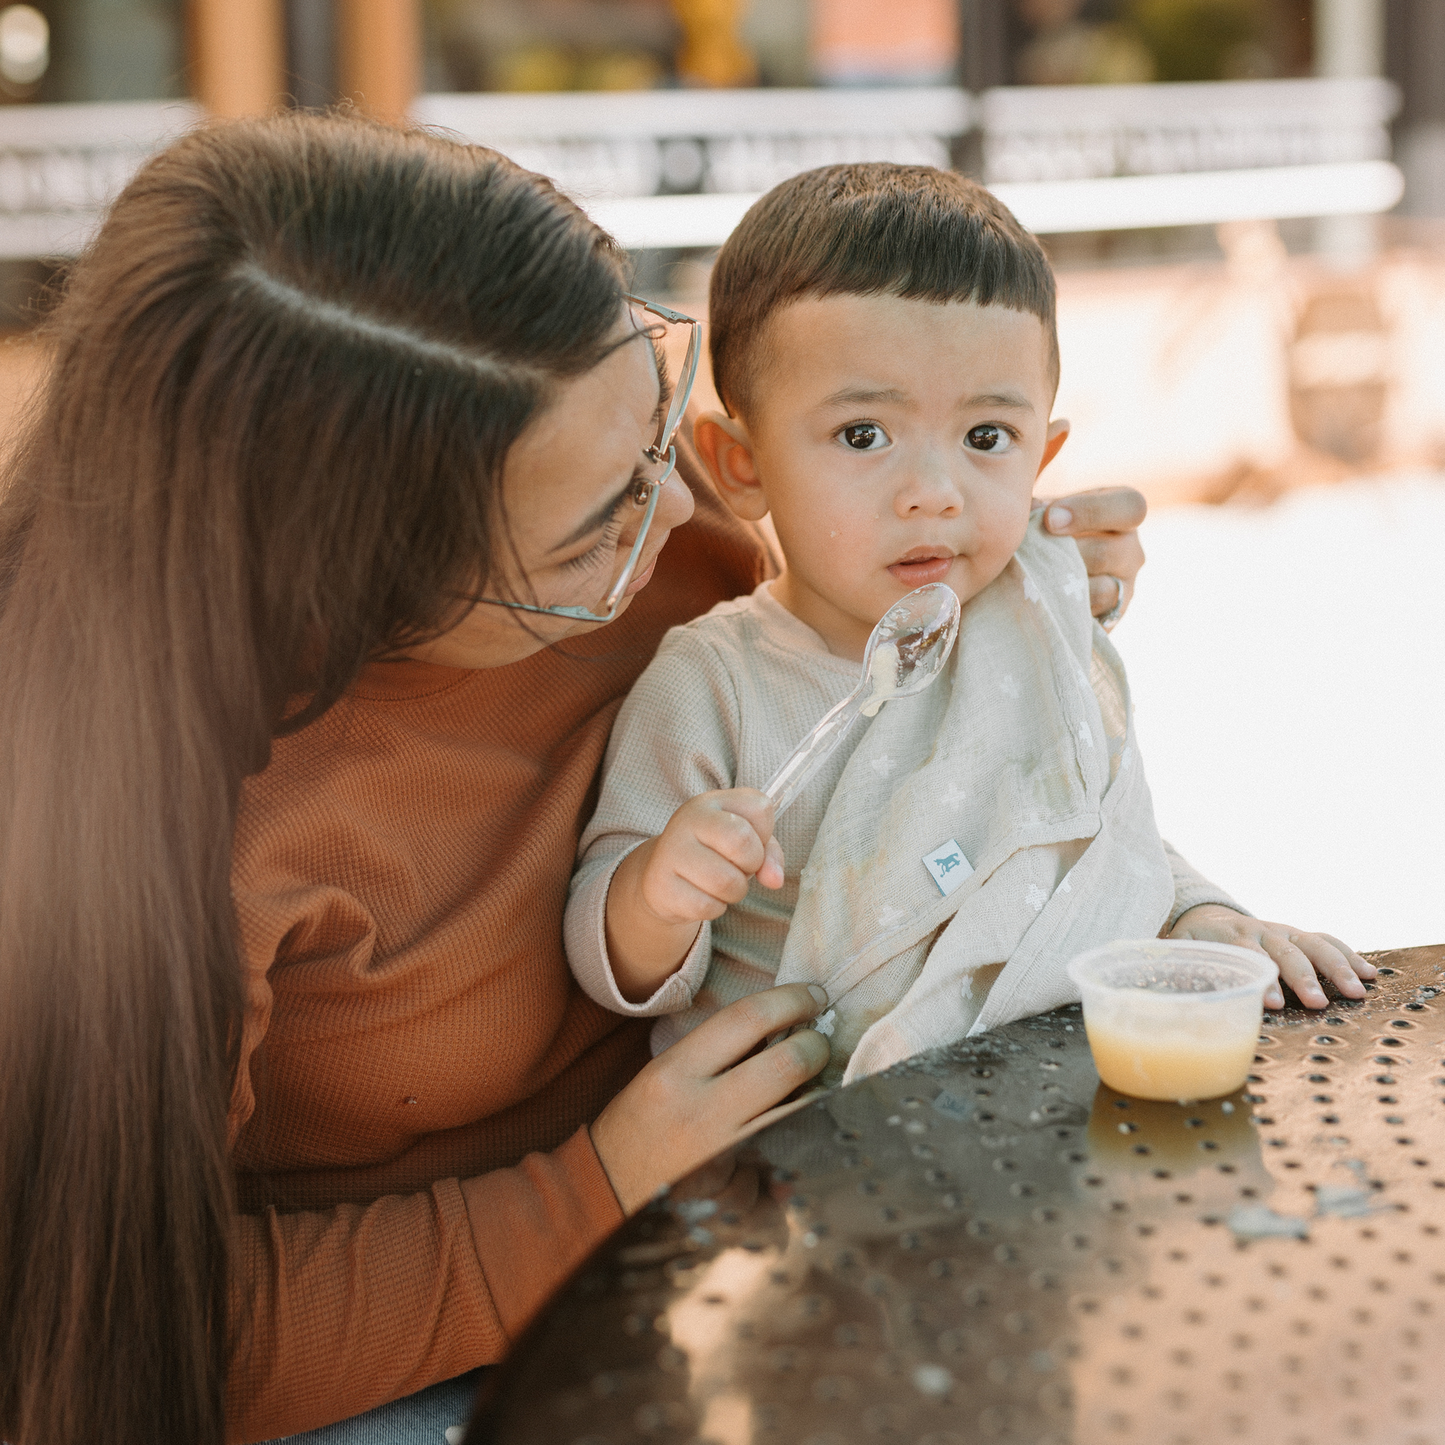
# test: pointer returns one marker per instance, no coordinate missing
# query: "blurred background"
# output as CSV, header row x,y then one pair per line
x,y
1245,203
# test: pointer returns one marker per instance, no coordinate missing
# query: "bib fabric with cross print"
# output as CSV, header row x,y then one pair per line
x,y
984,832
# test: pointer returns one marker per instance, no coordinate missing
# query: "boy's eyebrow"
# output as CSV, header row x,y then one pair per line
x,y
1011,399
862,395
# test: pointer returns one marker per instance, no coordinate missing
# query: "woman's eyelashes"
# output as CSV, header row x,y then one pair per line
x,y
991,438
600,550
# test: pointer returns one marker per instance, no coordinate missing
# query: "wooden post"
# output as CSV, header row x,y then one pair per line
x,y
1349,43
1349,37
380,55
238,55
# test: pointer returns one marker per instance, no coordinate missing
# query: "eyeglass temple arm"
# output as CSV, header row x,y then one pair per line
x,y
689,362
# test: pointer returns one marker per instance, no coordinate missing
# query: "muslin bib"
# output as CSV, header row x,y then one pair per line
x,y
1020,764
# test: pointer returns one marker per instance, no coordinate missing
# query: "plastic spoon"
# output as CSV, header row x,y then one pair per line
x,y
905,653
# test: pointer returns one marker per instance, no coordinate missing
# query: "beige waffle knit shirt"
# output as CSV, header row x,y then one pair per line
x,y
999,756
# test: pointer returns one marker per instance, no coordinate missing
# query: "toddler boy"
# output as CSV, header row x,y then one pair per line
x,y
883,338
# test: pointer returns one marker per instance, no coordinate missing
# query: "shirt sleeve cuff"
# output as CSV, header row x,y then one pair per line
x,y
586,929
1192,888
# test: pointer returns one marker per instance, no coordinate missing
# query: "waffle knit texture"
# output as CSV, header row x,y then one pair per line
x,y
1022,753
418,1068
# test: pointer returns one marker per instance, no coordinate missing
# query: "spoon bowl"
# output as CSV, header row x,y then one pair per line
x,y
906,651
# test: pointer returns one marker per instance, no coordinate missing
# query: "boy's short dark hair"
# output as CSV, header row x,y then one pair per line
x,y
866,230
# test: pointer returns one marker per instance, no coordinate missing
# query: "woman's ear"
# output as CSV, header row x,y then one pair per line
x,y
727,453
1058,435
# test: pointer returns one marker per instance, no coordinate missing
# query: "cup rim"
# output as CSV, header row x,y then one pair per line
x,y
1261,967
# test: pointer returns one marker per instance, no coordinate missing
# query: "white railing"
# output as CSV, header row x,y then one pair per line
x,y
61,166
678,168
1078,132
603,147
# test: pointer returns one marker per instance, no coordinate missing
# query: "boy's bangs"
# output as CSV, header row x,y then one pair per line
x,y
909,231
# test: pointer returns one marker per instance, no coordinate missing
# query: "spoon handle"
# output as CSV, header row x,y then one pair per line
x,y
815,750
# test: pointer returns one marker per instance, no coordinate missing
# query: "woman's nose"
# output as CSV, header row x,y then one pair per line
x,y
675,505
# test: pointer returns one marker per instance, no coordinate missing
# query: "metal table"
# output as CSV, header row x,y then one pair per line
x,y
987,1244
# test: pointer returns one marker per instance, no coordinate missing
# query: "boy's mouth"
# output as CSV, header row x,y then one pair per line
x,y
922,565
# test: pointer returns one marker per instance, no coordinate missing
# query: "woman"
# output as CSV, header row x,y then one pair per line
x,y
288,801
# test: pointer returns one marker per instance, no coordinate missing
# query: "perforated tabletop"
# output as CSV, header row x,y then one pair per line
x,y
986,1244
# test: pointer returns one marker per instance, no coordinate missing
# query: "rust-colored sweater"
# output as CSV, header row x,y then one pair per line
x,y
418,1068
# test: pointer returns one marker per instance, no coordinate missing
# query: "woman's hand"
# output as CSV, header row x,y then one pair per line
x,y
1105,524
709,1091
1300,955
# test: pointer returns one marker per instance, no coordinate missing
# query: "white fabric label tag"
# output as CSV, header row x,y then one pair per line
x,y
948,866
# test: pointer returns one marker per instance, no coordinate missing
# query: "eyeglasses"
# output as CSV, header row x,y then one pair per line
x,y
660,463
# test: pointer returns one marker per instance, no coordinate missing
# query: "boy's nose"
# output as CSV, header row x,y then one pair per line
x,y
929,493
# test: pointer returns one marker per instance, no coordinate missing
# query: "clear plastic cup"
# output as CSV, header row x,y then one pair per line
x,y
1172,1019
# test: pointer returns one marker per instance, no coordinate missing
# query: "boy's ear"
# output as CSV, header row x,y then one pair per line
x,y
1058,435
727,452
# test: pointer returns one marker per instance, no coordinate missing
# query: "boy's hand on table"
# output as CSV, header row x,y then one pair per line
x,y
1105,525
1300,955
711,849
708,1092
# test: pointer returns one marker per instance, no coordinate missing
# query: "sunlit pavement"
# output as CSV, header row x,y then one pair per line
x,y
1288,669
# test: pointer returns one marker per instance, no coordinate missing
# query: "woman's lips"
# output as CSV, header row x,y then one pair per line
x,y
643,577
921,573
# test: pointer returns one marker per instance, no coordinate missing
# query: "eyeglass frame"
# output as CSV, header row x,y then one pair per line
x,y
661,451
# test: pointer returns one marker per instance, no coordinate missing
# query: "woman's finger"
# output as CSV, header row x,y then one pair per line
x,y
733,1032
752,1089
1112,555
1105,509
1109,595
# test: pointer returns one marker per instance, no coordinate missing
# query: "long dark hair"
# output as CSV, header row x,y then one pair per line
x,y
284,380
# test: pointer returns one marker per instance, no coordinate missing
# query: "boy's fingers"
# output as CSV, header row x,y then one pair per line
x,y
731,837
712,875
771,874
1329,959
749,803
1361,966
679,900
1105,509
1295,969
733,1032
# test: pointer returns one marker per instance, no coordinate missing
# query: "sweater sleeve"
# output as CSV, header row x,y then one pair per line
x,y
1191,888
675,737
336,1311
345,1309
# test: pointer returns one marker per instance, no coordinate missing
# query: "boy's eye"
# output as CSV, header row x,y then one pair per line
x,y
990,438
864,436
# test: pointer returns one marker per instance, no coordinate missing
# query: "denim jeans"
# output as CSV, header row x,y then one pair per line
x,y
420,1419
